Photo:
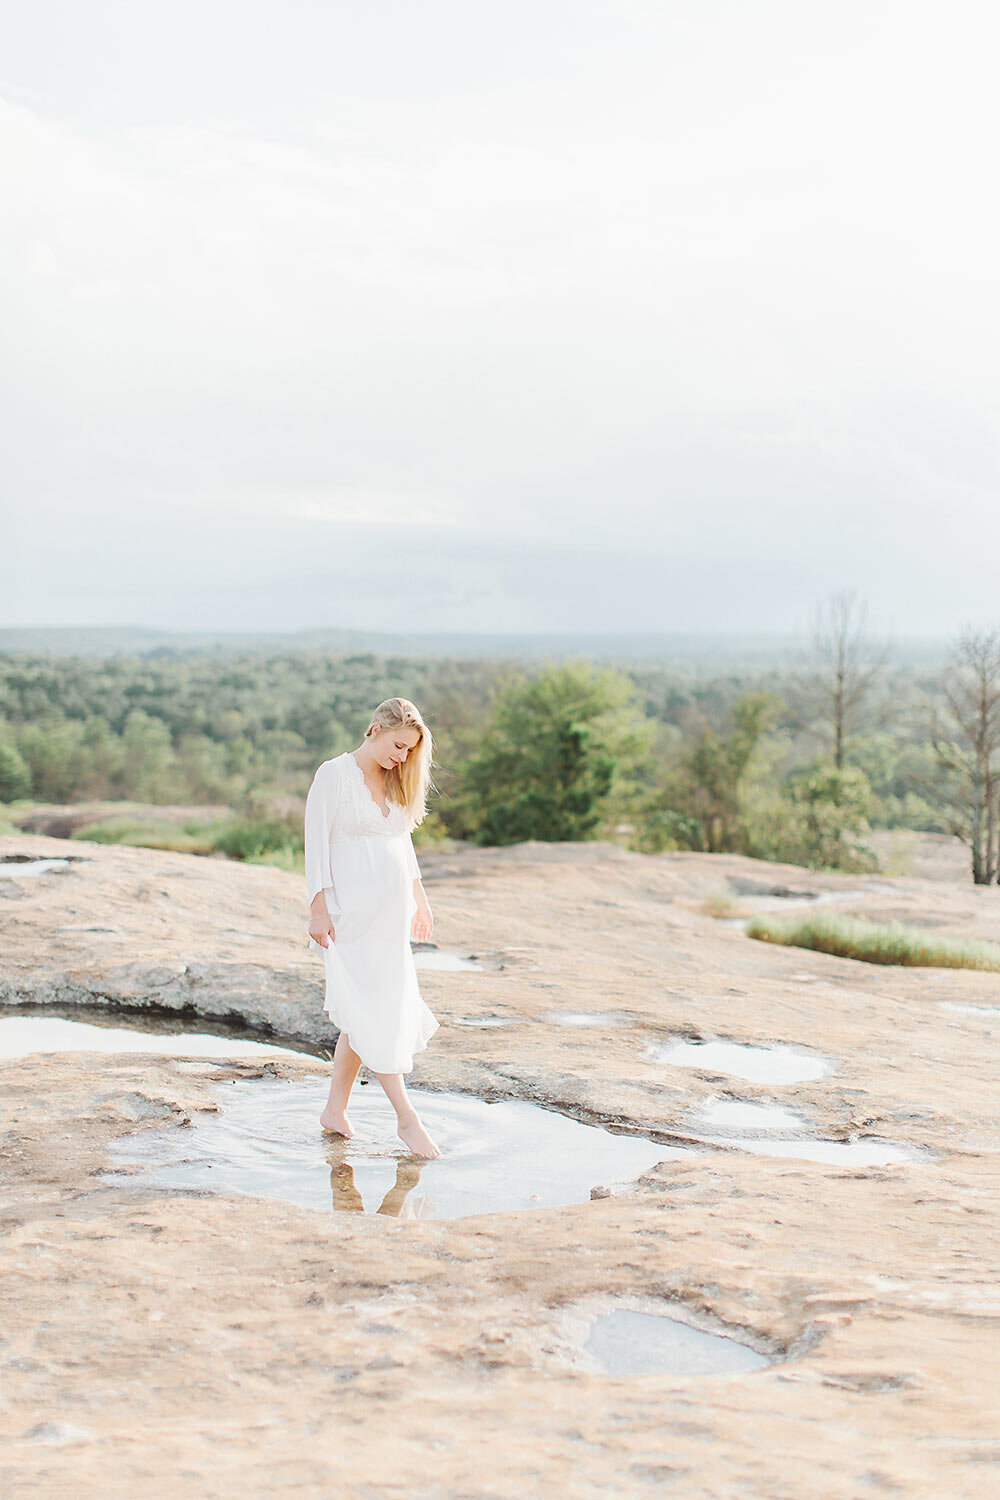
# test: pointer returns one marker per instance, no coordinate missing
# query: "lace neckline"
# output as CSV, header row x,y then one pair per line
x,y
385,816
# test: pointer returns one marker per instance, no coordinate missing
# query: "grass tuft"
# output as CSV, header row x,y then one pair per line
x,y
874,942
718,904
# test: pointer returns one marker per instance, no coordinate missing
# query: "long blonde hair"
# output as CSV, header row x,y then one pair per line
x,y
410,782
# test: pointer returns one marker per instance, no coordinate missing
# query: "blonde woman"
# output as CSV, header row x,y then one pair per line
x,y
365,902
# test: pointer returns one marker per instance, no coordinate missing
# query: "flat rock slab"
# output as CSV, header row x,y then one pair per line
x,y
159,1342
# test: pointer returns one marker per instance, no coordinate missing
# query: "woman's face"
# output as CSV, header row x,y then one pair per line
x,y
392,746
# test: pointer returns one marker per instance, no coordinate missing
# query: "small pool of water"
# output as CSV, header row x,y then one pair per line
x,y
866,1152
22,1034
775,903
777,1064
736,1114
438,958
640,1334
770,1130
587,1017
638,1343
481,1020
970,1010
13,867
267,1142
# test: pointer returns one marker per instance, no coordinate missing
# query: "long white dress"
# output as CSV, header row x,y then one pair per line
x,y
364,861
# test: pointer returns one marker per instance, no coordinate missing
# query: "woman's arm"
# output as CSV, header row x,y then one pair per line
x,y
423,922
321,803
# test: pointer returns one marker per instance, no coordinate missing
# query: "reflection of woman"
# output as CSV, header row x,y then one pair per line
x,y
366,900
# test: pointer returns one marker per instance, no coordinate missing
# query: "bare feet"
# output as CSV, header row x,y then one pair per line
x,y
414,1135
336,1121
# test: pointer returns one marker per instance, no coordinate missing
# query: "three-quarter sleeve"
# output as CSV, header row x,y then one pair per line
x,y
321,804
411,858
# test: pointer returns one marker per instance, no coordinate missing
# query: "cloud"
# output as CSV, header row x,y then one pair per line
x,y
711,282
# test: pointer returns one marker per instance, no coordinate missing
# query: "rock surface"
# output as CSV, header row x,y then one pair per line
x,y
165,1342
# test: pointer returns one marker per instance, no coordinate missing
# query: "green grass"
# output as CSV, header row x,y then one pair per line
x,y
149,833
874,942
719,904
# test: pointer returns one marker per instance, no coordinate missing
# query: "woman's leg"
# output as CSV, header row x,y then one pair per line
x,y
346,1064
408,1126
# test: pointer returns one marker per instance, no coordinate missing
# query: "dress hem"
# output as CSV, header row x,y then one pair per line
x,y
373,1067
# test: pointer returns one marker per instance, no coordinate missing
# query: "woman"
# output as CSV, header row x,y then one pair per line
x,y
365,901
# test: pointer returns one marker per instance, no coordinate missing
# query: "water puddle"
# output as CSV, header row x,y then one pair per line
x,y
23,1034
266,1141
481,1020
777,1064
440,959
22,866
970,1010
587,1017
777,899
771,1130
737,1114
644,1336
866,1152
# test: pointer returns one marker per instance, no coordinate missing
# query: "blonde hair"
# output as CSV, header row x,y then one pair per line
x,y
410,782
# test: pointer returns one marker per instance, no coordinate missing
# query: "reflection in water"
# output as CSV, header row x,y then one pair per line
x,y
266,1141
345,1193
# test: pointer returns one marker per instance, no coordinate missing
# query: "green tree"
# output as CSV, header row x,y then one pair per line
x,y
559,746
15,774
700,803
834,806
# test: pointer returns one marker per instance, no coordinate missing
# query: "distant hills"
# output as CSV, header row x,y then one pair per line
x,y
694,651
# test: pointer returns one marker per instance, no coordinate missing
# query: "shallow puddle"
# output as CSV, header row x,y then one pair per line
x,y
867,1152
587,1017
438,958
480,1021
637,1343
778,1064
267,1142
771,1130
736,1114
14,867
645,1335
22,1034
970,1010
775,902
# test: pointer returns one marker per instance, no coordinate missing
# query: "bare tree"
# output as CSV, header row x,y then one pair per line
x,y
845,666
969,748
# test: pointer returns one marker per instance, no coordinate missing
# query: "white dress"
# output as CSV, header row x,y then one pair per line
x,y
363,859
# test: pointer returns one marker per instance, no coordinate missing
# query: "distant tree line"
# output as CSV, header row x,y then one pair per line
x,y
797,764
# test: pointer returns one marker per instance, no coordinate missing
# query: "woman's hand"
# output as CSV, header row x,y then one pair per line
x,y
320,926
423,923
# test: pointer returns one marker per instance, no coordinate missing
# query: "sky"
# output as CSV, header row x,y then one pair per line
x,y
550,316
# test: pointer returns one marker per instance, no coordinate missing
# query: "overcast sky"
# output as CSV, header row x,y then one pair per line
x,y
449,314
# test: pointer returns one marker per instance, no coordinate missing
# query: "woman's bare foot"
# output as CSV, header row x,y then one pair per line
x,y
337,1121
414,1135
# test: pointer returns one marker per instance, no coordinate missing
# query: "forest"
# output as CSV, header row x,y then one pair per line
x,y
791,765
